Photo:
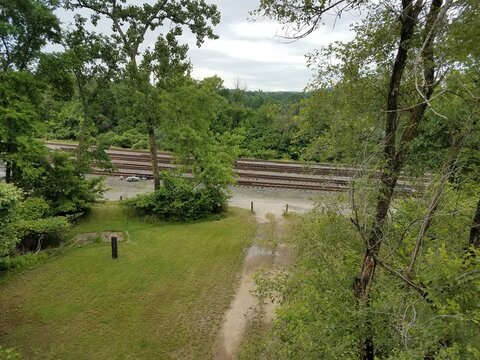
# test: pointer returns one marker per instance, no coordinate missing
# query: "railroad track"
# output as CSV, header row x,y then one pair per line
x,y
250,172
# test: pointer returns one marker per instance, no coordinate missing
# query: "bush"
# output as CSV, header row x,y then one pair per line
x,y
180,199
66,189
59,179
20,262
36,228
9,197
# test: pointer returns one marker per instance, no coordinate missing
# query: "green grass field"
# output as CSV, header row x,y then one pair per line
x,y
163,298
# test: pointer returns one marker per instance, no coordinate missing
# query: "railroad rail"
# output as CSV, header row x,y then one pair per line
x,y
251,172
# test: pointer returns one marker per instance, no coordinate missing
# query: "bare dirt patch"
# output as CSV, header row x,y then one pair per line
x,y
107,236
245,307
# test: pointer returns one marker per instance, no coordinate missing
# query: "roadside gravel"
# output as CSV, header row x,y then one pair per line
x,y
265,200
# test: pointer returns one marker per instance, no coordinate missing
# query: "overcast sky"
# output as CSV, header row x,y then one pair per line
x,y
250,50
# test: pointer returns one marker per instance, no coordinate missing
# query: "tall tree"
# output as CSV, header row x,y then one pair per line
x,y
130,24
409,30
190,109
93,59
25,27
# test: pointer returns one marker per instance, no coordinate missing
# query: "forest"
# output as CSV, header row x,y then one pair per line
x,y
398,277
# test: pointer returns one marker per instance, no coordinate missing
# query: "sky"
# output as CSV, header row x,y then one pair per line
x,y
255,53
252,51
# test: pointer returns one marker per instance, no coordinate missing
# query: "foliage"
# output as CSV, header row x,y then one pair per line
x,y
55,177
65,187
63,119
336,125
20,96
22,261
9,197
25,27
269,132
319,317
395,63
188,110
35,226
130,139
180,199
166,63
27,222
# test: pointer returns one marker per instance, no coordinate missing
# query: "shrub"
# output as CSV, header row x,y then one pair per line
x,y
9,197
59,179
66,189
180,199
35,226
20,262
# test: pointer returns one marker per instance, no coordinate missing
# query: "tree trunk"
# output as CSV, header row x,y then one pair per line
x,y
394,158
9,165
83,158
475,229
154,157
150,123
8,172
392,169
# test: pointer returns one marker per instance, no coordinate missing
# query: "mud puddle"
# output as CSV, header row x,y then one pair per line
x,y
245,304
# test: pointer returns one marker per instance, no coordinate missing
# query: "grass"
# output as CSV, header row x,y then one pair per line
x,y
163,298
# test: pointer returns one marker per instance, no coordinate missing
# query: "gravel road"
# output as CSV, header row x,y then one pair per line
x,y
265,200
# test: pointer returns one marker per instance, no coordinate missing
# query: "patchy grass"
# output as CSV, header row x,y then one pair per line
x,y
163,298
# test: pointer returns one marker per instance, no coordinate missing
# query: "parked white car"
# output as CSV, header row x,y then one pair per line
x,y
132,178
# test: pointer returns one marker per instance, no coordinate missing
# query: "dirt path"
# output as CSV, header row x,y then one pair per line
x,y
245,305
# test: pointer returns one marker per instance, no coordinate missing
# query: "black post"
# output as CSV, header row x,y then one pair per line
x,y
286,209
114,247
251,206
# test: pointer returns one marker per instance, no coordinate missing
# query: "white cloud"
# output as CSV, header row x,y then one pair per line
x,y
255,30
259,51
253,51
204,72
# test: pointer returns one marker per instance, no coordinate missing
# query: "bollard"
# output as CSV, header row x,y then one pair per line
x,y
121,197
114,247
286,209
251,206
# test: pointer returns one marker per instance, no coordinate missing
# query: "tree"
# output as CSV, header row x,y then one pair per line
x,y
269,132
130,23
25,27
200,152
189,109
20,98
61,182
93,60
399,42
